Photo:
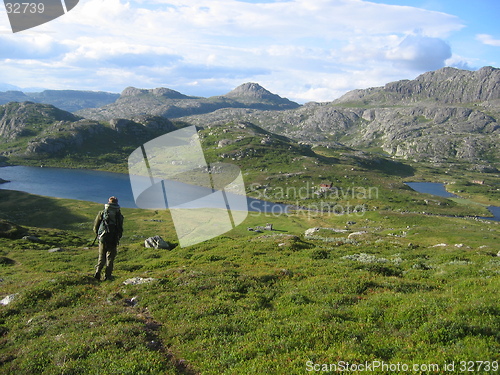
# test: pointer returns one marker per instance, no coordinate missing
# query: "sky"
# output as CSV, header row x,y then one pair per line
x,y
305,50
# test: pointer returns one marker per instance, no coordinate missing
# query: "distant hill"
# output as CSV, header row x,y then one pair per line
x,y
8,87
68,100
172,104
74,100
13,96
40,131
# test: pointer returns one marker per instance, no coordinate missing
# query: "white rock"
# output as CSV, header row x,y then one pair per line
x,y
138,281
8,299
356,234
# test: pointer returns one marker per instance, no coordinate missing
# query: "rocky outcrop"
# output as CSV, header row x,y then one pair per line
x,y
443,86
27,118
63,136
140,125
445,115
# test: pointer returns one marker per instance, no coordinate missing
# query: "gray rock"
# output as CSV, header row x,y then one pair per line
x,y
56,250
157,242
224,142
32,238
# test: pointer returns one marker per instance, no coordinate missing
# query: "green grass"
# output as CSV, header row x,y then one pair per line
x,y
246,302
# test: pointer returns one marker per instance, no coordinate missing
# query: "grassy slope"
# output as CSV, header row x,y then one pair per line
x,y
246,302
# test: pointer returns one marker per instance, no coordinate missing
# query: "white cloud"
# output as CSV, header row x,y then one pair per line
x,y
488,39
420,53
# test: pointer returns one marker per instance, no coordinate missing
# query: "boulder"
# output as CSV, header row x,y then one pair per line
x,y
32,238
156,242
56,250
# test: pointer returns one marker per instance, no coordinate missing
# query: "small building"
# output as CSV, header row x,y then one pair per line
x,y
325,186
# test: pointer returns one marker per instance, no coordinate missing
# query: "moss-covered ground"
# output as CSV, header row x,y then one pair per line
x,y
381,286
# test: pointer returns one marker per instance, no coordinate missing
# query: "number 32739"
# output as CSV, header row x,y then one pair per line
x,y
20,8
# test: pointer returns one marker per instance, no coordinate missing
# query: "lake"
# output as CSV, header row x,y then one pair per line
x,y
92,186
434,188
438,189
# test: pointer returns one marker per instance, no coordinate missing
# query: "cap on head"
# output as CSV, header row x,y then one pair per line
x,y
113,200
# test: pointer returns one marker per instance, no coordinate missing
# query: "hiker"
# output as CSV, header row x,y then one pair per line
x,y
108,226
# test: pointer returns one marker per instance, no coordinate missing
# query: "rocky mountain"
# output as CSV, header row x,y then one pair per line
x,y
172,104
446,115
68,100
30,129
28,119
443,86
256,96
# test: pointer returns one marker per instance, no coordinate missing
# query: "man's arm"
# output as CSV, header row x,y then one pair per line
x,y
97,222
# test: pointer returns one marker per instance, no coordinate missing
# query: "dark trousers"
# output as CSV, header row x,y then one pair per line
x,y
107,254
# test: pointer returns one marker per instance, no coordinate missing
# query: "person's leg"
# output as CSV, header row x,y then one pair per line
x,y
110,259
100,261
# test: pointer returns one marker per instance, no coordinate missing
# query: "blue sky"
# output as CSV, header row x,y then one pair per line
x,y
305,50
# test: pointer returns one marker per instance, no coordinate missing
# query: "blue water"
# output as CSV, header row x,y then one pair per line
x,y
438,189
434,188
92,186
81,184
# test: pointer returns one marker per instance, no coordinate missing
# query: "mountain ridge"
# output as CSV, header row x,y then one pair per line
x,y
448,115
172,104
443,86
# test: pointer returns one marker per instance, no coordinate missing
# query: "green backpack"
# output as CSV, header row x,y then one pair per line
x,y
110,228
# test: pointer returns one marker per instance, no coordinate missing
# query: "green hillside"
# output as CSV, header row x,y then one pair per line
x,y
386,286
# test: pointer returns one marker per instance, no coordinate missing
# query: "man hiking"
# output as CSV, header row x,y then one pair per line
x,y
108,226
